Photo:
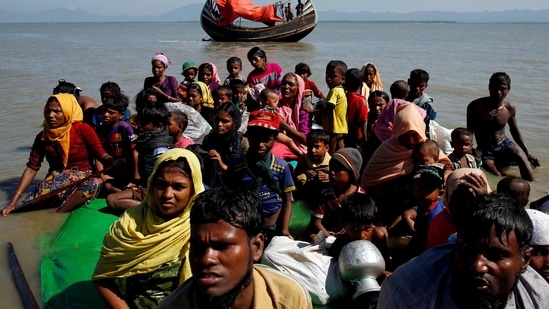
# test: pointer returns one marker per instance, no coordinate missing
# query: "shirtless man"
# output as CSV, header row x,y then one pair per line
x,y
487,118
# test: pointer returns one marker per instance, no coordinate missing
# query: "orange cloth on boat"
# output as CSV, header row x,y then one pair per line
x,y
140,241
61,136
233,9
392,160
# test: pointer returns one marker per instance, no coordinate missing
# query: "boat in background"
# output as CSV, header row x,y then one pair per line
x,y
219,16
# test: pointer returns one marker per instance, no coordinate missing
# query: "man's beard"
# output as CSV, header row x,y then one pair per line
x,y
466,300
227,299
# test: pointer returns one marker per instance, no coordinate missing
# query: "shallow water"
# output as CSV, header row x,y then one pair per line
x,y
459,57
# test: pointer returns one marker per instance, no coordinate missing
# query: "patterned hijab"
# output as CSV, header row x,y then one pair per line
x,y
140,241
61,136
298,100
207,99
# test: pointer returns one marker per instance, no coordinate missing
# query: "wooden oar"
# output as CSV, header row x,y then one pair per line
x,y
53,193
29,302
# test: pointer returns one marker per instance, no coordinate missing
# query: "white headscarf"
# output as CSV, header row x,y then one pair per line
x,y
540,221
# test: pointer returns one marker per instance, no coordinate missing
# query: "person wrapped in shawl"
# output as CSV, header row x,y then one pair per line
x,y
387,176
145,254
372,79
69,146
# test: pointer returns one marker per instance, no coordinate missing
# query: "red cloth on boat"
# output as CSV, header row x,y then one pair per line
x,y
232,9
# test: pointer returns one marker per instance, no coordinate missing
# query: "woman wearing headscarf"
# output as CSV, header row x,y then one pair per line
x,y
297,127
164,86
200,98
69,146
387,176
372,79
146,249
207,73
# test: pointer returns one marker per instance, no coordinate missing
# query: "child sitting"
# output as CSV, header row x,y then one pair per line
x,y
118,140
234,67
418,82
427,153
462,141
344,174
303,70
311,172
189,73
428,188
265,174
152,141
268,100
357,112
357,217
222,95
177,123
239,90
109,91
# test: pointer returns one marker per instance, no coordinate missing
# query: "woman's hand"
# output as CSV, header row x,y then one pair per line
x,y
476,184
215,156
9,208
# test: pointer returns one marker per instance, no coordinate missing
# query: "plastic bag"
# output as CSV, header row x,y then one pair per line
x,y
310,265
441,135
198,127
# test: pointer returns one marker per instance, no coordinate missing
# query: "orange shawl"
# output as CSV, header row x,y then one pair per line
x,y
61,136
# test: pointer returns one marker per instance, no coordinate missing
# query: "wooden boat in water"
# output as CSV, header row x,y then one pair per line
x,y
219,16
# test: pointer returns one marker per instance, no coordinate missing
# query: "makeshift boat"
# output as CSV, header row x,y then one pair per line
x,y
219,21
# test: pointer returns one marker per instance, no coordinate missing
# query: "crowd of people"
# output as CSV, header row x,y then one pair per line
x,y
206,171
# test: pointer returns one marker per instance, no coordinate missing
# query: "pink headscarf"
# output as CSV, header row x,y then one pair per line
x,y
296,108
216,81
384,125
163,58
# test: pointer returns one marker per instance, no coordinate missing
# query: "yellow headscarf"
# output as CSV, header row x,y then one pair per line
x,y
140,241
377,84
207,99
61,136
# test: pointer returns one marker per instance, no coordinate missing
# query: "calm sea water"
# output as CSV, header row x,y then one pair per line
x,y
459,57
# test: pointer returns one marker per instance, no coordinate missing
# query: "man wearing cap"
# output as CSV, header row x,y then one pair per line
x,y
265,174
540,242
486,268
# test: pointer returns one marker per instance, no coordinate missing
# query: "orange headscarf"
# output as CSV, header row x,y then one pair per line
x,y
61,136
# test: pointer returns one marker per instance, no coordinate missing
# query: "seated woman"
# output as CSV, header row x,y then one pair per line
x,y
223,144
69,146
163,85
146,249
388,174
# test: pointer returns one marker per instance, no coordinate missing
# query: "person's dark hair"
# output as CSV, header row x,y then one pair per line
x,y
155,113
302,68
399,89
499,78
227,90
203,66
498,211
379,94
119,103
195,86
142,97
180,118
429,144
236,85
234,60
257,51
318,135
419,74
457,132
239,208
353,79
265,93
234,112
110,86
66,87
515,187
180,163
358,207
338,65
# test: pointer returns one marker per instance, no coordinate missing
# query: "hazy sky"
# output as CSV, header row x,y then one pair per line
x,y
156,7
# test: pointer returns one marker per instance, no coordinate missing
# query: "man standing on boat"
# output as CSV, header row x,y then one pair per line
x,y
289,12
487,118
299,8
